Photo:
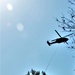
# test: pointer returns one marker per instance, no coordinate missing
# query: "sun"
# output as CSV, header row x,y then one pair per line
x,y
10,7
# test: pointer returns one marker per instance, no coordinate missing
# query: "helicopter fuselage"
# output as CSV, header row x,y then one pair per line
x,y
59,40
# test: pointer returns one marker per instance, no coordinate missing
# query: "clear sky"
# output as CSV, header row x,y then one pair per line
x,y
25,27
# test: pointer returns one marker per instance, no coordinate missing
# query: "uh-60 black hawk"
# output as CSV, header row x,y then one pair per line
x,y
59,40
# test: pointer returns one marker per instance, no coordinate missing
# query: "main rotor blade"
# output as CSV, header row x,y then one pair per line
x,y
68,35
57,33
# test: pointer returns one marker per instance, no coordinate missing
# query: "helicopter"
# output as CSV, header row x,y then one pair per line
x,y
59,40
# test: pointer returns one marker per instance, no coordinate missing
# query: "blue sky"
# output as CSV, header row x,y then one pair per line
x,y
26,25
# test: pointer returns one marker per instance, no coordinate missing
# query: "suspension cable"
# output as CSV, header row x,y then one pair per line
x,y
51,59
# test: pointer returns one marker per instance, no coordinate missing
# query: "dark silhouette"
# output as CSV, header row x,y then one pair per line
x,y
68,23
43,73
37,73
59,40
33,72
28,73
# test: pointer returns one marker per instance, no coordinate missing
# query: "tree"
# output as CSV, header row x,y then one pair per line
x,y
68,23
33,72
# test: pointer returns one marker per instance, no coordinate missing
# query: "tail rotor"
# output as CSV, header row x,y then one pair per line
x,y
48,43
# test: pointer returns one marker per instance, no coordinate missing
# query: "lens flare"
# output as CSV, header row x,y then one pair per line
x,y
20,27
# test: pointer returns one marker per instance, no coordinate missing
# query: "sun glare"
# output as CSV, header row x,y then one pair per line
x,y
10,7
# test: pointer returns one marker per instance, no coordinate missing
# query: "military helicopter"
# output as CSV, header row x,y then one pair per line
x,y
59,40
